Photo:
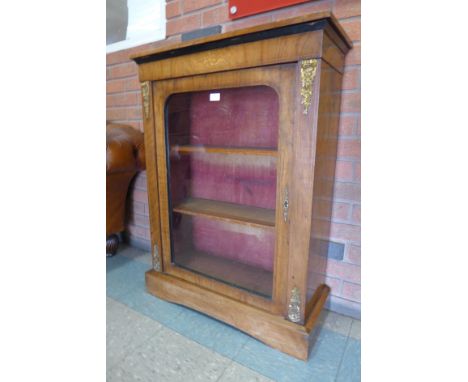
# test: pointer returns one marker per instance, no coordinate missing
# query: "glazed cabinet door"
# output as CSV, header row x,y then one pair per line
x,y
223,164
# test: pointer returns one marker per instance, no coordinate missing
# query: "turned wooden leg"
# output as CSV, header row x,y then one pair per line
x,y
112,243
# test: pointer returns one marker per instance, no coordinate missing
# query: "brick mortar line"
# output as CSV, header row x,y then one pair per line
x,y
348,182
351,91
332,201
195,11
118,64
351,224
123,92
120,78
324,199
134,224
344,200
330,277
350,263
337,222
333,220
352,66
129,92
136,236
141,214
352,283
350,114
353,182
338,277
355,44
140,188
337,239
342,281
349,18
347,299
354,170
347,159
350,211
214,6
347,222
112,93
340,288
349,137
345,242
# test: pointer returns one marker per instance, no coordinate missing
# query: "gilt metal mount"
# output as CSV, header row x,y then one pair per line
x,y
308,71
145,92
294,307
156,259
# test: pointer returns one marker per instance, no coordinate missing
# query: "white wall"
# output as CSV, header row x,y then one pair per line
x,y
146,23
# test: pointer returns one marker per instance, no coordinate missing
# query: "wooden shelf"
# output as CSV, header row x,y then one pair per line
x,y
248,277
248,215
188,149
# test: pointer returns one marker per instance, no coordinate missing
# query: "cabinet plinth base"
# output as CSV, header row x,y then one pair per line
x,y
271,329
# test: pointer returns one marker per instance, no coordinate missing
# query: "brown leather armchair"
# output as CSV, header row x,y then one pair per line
x,y
125,157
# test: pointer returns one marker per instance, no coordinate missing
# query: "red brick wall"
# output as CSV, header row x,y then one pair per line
x,y
123,105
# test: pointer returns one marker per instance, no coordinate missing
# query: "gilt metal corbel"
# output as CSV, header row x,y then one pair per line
x,y
308,71
156,259
145,92
294,307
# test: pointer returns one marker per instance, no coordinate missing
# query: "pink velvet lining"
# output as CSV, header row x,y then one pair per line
x,y
244,117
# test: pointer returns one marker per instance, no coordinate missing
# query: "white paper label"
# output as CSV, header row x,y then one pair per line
x,y
215,97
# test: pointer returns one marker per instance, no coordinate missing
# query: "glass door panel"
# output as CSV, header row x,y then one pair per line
x,y
222,148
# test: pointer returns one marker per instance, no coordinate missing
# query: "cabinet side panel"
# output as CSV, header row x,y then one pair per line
x,y
325,162
300,184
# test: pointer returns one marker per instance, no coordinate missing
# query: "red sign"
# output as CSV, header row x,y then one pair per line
x,y
242,8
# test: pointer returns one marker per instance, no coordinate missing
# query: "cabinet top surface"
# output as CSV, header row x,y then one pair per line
x,y
187,46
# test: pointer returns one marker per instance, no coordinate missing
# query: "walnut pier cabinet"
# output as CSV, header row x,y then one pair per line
x,y
241,138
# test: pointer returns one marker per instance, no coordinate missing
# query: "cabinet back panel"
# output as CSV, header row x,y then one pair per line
x,y
236,254
236,117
